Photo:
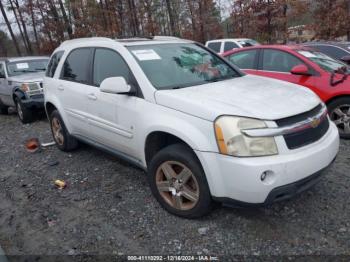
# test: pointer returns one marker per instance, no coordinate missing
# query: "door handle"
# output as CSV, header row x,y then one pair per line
x,y
61,88
92,97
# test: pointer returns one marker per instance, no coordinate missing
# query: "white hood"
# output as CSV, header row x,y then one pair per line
x,y
28,77
249,96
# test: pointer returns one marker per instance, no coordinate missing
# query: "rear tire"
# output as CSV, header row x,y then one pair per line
x,y
339,112
63,139
24,114
178,182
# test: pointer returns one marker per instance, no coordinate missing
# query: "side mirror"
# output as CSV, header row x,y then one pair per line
x,y
300,70
2,75
346,59
115,85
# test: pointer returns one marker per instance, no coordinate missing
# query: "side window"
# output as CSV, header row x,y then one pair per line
x,y
229,46
215,46
332,51
108,63
2,71
279,61
245,59
76,68
54,61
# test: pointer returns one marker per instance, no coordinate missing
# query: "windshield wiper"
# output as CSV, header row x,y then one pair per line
x,y
24,71
40,69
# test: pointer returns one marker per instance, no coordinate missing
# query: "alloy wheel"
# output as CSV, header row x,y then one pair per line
x,y
341,117
19,110
57,131
177,185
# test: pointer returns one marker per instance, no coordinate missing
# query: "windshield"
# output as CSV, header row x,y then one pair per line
x,y
171,66
27,66
324,61
248,42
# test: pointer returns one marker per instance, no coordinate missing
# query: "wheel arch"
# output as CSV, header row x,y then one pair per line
x,y
337,97
157,140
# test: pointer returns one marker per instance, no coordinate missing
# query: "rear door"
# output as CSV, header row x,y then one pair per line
x,y
278,64
72,88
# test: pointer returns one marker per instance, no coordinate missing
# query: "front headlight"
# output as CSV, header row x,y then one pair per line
x,y
232,141
29,87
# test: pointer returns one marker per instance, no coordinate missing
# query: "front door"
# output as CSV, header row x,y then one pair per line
x,y
278,64
112,117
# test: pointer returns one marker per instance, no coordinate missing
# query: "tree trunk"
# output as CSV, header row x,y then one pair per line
x,y
193,20
34,24
119,7
19,26
24,28
10,29
171,17
201,20
59,29
45,24
68,26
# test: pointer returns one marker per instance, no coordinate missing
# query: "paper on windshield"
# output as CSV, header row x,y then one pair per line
x,y
307,54
22,66
146,54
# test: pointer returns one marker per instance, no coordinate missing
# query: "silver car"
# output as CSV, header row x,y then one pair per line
x,y
21,85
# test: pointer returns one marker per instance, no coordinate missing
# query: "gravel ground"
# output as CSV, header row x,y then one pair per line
x,y
107,208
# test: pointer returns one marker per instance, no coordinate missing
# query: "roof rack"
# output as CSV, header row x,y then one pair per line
x,y
85,39
145,38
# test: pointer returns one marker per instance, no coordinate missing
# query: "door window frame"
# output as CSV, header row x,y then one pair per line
x,y
312,71
256,59
132,76
89,82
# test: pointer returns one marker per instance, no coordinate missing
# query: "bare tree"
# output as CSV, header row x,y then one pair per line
x,y
10,29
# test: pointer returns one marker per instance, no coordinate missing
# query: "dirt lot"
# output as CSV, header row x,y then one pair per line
x,y
108,208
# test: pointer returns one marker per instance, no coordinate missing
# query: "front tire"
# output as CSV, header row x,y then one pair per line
x,y
24,114
178,182
63,139
4,110
339,112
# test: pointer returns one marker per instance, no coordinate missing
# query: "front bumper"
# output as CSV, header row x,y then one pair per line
x,y
36,101
280,193
239,179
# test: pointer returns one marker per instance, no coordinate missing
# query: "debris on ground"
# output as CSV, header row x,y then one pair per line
x,y
32,145
60,184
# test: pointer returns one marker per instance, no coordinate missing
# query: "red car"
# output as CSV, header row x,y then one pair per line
x,y
327,77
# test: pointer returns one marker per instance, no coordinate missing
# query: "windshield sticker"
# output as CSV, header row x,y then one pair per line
x,y
22,66
307,54
147,54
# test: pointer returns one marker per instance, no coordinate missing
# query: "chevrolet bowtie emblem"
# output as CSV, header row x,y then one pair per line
x,y
315,122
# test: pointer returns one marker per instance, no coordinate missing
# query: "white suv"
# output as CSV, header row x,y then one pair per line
x,y
221,46
201,129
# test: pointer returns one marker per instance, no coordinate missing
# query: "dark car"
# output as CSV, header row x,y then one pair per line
x,y
337,50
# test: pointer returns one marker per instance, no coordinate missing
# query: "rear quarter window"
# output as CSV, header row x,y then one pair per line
x,y
54,61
